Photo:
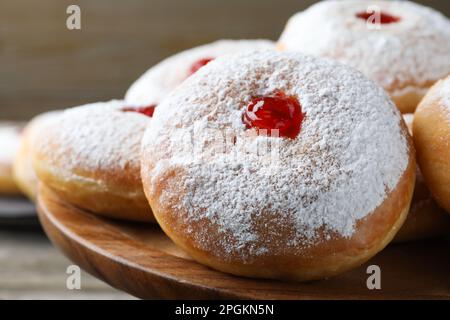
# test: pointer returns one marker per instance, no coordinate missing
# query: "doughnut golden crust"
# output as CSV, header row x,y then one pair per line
x,y
425,219
331,257
230,209
408,99
89,156
432,140
9,143
23,171
401,45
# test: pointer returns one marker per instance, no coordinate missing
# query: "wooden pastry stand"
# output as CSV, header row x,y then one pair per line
x,y
142,261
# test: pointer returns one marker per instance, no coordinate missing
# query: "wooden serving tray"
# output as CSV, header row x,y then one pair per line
x,y
142,261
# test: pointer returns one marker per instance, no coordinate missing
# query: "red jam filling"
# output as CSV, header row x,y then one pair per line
x,y
199,64
385,18
147,111
277,111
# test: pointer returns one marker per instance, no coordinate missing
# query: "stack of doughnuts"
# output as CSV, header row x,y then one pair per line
x,y
403,46
282,162
89,155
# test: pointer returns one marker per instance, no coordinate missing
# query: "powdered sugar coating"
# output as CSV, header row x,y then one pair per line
x,y
92,137
156,83
349,153
9,142
409,119
404,56
37,122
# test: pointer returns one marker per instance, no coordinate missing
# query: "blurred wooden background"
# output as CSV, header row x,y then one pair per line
x,y
45,66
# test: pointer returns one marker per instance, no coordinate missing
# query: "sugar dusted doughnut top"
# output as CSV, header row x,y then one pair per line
x,y
159,80
411,49
351,149
9,142
94,140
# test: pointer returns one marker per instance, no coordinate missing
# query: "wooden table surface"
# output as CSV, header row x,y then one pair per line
x,y
31,268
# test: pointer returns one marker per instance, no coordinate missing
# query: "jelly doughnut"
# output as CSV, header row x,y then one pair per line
x,y
89,156
278,165
403,46
157,82
432,140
